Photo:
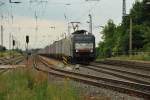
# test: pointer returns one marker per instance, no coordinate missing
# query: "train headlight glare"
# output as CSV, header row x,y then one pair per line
x,y
77,51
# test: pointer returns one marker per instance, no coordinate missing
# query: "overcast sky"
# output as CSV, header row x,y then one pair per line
x,y
55,13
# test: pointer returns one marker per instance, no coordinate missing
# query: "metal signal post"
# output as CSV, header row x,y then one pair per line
x,y
27,42
13,47
2,29
124,8
130,36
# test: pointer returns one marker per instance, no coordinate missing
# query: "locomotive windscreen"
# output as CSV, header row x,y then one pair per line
x,y
84,38
84,45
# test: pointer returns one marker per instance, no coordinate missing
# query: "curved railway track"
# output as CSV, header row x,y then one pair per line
x,y
128,87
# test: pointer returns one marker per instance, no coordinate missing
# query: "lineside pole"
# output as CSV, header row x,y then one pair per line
x,y
130,37
124,8
2,30
27,41
1,38
90,24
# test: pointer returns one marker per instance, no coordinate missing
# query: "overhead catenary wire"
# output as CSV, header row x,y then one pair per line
x,y
39,12
87,11
66,18
41,6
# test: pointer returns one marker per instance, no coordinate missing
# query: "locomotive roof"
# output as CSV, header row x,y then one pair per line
x,y
79,32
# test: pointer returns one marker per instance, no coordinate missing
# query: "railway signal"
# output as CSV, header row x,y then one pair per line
x,y
27,39
13,47
13,43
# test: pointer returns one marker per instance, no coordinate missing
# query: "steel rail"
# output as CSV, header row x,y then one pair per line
x,y
118,70
129,87
119,73
14,60
128,64
96,77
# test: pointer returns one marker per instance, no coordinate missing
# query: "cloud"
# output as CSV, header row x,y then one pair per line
x,y
52,14
23,26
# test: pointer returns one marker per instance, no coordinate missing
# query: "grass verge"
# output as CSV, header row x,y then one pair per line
x,y
22,84
9,53
139,57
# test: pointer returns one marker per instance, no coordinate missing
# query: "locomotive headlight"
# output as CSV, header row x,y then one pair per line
x,y
91,50
77,50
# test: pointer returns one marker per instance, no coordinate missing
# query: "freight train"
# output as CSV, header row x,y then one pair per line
x,y
77,47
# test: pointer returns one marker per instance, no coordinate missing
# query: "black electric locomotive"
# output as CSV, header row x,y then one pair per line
x,y
77,47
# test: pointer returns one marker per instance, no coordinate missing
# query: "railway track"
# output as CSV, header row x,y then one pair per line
x,y
3,60
6,61
133,88
128,64
17,60
131,76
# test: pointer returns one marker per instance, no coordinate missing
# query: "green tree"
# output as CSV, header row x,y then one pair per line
x,y
116,38
107,35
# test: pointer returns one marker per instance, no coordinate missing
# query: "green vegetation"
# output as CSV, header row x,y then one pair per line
x,y
30,85
116,38
140,57
8,53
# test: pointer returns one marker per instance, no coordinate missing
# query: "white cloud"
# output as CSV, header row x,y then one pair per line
x,y
52,14
26,26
